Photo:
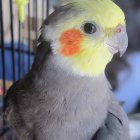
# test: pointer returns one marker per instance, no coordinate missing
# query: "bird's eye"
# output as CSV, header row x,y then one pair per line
x,y
89,28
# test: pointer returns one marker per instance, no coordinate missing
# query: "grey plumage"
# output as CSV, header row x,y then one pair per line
x,y
53,103
54,112
115,126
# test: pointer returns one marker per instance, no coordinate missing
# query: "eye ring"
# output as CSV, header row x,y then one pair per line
x,y
89,28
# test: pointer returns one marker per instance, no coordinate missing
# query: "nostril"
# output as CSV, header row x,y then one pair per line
x,y
119,28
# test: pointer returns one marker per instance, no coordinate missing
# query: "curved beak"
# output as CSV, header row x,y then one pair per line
x,y
119,42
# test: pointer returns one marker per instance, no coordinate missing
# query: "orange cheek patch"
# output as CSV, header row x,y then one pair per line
x,y
70,41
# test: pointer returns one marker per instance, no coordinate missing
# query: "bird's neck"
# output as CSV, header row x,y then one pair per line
x,y
55,67
61,64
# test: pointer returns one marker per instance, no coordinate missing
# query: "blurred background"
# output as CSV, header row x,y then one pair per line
x,y
18,41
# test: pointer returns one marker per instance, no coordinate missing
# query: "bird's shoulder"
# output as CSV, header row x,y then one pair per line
x,y
10,103
10,94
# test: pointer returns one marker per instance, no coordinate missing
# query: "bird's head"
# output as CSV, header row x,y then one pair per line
x,y
86,34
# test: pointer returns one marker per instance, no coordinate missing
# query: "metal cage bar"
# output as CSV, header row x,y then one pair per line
x,y
12,40
29,37
19,50
2,47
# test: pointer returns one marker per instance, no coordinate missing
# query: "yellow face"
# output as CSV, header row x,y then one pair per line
x,y
87,57
83,39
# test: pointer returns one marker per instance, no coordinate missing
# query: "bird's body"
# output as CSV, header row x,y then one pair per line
x,y
56,113
66,95
71,115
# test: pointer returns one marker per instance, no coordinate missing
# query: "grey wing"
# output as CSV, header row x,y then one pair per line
x,y
111,130
115,126
14,117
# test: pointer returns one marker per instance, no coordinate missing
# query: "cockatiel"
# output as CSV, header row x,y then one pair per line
x,y
66,95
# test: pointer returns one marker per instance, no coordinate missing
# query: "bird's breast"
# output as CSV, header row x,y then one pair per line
x,y
73,108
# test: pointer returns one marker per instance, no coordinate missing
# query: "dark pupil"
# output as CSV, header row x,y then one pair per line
x,y
90,28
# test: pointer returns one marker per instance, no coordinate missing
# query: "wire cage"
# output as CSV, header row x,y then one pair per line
x,y
17,45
